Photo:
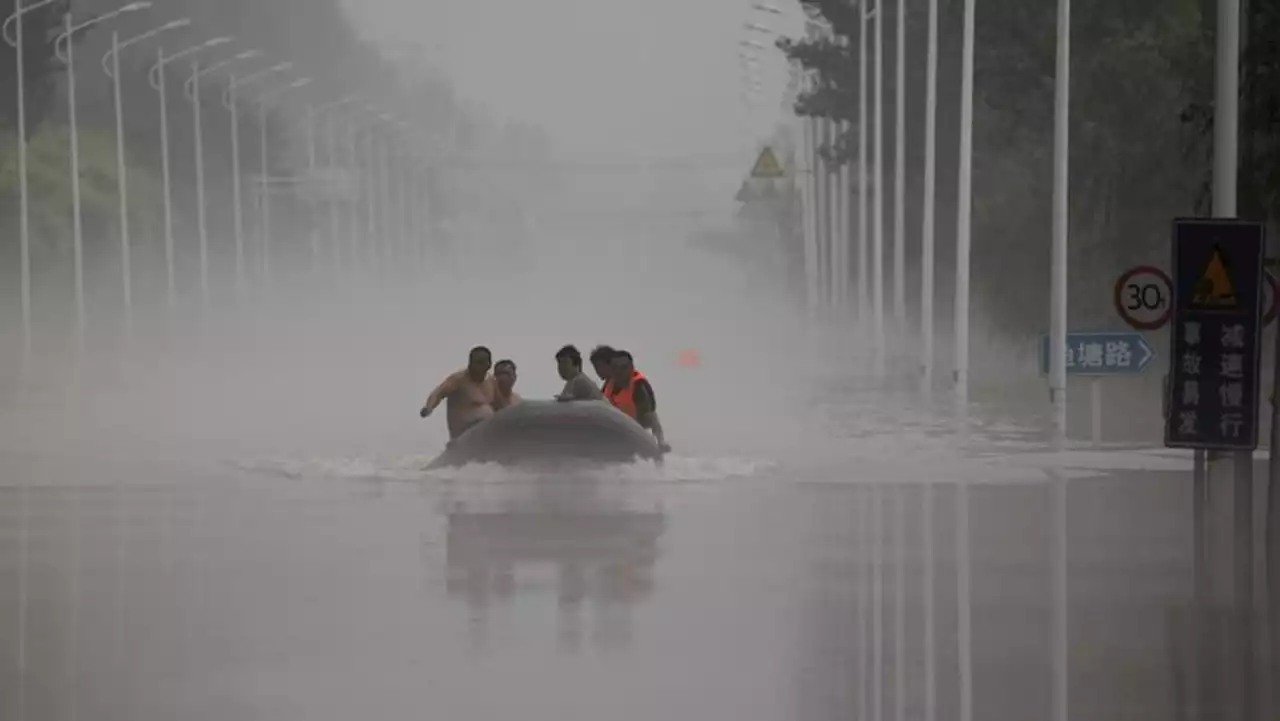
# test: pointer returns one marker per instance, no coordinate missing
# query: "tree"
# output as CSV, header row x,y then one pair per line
x,y
1134,163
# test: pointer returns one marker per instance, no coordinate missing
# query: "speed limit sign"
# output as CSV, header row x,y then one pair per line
x,y
1144,297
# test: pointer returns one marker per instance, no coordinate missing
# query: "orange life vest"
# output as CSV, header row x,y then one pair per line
x,y
624,399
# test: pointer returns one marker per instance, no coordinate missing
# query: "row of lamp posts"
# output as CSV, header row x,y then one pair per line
x,y
237,84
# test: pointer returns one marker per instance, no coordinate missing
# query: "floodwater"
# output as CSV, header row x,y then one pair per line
x,y
715,587
238,528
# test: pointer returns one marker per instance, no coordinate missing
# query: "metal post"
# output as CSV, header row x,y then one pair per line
x,y
1058,277
371,214
314,236
334,224
77,226
1226,128
846,232
820,202
24,216
237,209
863,269
900,180
930,193
122,183
201,216
964,600
389,240
877,212
165,180
835,225
926,592
265,197
354,207
963,221
877,606
810,219
1060,604
900,603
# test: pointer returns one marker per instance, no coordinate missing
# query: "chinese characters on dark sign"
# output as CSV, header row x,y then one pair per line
x,y
1214,363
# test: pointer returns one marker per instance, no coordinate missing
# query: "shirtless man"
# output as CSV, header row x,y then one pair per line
x,y
469,392
504,376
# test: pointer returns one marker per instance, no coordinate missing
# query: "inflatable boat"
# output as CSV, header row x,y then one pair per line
x,y
550,432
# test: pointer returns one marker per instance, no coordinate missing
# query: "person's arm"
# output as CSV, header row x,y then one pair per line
x,y
647,411
442,391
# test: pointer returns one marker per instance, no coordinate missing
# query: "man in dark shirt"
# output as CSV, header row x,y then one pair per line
x,y
601,358
577,386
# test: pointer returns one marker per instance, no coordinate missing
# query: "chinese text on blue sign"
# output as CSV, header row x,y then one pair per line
x,y
1101,354
1214,364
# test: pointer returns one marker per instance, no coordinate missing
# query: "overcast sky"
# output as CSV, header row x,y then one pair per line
x,y
621,77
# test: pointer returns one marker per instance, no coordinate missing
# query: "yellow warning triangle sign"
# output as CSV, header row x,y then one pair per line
x,y
767,165
1215,290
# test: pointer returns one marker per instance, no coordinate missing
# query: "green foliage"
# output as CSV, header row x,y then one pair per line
x,y
1136,160
50,191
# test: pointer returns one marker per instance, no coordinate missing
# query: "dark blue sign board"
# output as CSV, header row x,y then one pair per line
x,y
1215,349
1104,353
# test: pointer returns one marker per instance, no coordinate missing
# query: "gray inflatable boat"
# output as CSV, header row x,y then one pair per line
x,y
551,432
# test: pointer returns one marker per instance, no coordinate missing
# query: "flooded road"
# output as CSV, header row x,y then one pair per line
x,y
156,592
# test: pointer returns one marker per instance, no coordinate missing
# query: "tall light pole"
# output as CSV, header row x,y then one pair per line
x,y
156,78
900,179
863,270
126,263
229,102
111,66
964,219
927,242
192,90
877,212
264,100
331,154
16,41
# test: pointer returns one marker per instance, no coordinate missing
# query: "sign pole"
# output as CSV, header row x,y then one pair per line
x,y
1225,169
1095,405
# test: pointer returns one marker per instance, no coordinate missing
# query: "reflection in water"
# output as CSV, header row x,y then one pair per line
x,y
602,554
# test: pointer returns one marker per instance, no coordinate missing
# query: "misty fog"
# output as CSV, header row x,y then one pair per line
x,y
214,500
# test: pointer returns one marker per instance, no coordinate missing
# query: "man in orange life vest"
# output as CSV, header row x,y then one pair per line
x,y
630,392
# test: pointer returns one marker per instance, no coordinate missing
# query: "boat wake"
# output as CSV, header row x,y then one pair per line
x,y
411,469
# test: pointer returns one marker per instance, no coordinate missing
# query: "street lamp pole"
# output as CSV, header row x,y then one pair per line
x,y
24,215
113,72
156,77
331,155
265,230
192,90
126,263
229,101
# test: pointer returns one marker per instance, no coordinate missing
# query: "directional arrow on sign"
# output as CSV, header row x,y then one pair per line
x,y
1106,353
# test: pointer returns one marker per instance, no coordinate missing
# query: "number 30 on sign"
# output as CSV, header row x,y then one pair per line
x,y
1144,297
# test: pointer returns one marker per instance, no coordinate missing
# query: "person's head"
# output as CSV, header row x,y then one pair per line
x,y
504,372
621,366
568,362
601,357
479,361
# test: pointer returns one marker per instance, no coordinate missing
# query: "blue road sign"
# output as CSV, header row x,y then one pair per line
x,y
1104,353
1217,322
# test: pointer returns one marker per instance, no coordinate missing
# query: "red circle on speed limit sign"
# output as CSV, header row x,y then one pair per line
x,y
1144,297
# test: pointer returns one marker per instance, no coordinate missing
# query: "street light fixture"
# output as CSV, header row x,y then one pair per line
x,y
263,99
126,264
229,102
15,40
191,88
113,71
156,78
